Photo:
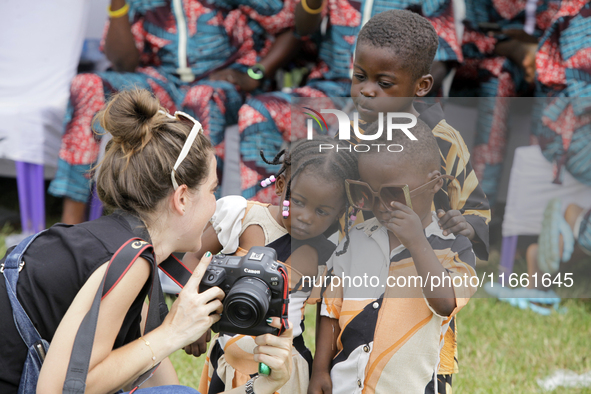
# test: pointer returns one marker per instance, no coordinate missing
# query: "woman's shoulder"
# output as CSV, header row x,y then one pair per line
x,y
88,243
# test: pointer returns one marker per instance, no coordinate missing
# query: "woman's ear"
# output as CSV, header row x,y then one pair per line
x,y
437,185
280,185
180,199
424,85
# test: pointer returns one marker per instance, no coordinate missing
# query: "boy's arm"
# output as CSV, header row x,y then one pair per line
x,y
464,203
406,225
327,332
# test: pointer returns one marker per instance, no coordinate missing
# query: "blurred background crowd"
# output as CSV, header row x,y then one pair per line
x,y
236,65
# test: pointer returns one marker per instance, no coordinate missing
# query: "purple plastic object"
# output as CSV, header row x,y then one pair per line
x,y
31,196
508,249
96,206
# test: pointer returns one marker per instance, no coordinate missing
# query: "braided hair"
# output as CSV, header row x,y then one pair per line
x,y
335,164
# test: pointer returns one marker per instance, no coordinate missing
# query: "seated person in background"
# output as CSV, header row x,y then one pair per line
x,y
385,338
194,57
563,131
499,47
312,182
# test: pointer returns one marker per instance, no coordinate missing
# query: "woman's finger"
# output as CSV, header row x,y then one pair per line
x,y
213,306
195,279
213,293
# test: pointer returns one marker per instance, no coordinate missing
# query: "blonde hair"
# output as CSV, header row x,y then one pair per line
x,y
135,172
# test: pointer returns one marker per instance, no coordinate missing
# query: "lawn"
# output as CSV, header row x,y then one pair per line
x,y
502,349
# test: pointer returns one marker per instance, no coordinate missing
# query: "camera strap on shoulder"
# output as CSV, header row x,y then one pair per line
x,y
176,270
119,265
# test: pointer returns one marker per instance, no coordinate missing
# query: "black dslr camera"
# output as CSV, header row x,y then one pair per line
x,y
256,288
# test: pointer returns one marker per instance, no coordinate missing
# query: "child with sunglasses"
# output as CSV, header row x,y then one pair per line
x,y
392,66
386,335
310,185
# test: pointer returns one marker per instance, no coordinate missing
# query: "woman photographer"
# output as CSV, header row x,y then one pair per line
x,y
160,171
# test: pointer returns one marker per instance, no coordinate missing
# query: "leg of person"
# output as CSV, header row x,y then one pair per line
x,y
79,147
215,104
491,131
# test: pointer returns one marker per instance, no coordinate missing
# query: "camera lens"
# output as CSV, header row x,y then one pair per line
x,y
247,303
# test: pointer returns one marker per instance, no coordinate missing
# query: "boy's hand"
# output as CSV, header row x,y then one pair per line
x,y
454,222
320,383
405,224
199,347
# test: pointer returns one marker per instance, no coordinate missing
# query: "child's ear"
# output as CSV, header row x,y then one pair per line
x,y
437,185
424,85
280,185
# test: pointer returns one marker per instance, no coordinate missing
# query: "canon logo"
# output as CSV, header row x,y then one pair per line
x,y
249,271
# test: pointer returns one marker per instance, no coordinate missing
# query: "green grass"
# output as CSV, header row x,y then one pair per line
x,y
502,349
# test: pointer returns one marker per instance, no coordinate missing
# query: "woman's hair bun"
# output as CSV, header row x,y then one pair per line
x,y
130,118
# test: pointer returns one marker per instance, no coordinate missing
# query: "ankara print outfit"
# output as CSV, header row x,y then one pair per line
x,y
563,65
265,120
174,66
493,78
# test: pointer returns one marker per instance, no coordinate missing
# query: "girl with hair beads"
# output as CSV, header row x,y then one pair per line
x,y
310,184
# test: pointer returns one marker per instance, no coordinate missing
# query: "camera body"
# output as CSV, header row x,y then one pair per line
x,y
255,290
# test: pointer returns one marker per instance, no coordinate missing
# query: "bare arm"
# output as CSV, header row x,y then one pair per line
x,y
110,370
406,225
209,243
120,46
284,48
328,331
306,23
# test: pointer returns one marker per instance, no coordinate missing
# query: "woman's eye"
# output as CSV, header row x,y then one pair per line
x,y
322,212
386,85
359,77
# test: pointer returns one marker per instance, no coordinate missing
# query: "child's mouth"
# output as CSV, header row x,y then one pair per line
x,y
298,232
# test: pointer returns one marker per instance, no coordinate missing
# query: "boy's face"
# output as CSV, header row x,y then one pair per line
x,y
387,169
382,83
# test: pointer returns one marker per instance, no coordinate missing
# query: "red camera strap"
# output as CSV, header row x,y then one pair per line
x,y
284,311
176,270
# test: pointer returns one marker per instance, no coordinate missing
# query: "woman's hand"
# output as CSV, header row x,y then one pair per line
x,y
275,351
192,314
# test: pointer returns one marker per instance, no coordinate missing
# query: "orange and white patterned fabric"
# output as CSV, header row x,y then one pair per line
x,y
391,339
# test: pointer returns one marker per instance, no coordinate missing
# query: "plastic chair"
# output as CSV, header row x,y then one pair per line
x,y
31,196
508,249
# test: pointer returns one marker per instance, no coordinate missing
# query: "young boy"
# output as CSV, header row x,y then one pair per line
x,y
390,332
395,50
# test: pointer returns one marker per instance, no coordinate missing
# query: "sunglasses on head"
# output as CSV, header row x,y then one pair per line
x,y
362,196
195,129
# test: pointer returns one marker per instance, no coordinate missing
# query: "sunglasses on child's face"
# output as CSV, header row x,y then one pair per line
x,y
362,196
